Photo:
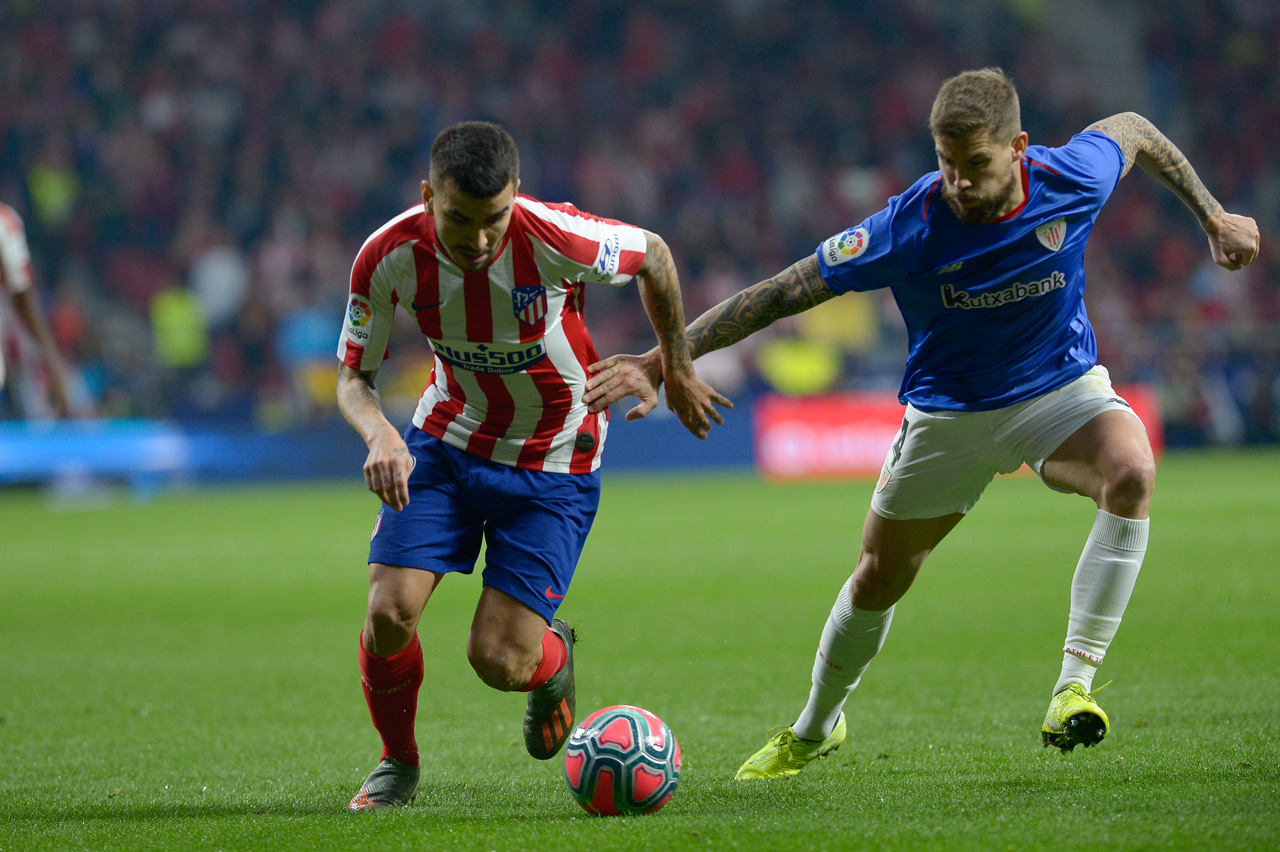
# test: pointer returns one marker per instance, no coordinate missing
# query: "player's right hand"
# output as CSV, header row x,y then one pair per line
x,y
694,401
387,469
1233,239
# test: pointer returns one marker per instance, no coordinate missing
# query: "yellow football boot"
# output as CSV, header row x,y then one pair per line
x,y
785,754
1074,718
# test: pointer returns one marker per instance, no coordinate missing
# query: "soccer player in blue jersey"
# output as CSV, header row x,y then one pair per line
x,y
985,260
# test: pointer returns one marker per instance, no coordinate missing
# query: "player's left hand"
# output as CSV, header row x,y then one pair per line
x,y
625,375
694,401
1233,239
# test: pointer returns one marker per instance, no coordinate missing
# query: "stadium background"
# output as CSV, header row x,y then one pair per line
x,y
179,672
197,175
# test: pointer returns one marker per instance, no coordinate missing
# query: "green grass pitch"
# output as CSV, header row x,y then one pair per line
x,y
181,674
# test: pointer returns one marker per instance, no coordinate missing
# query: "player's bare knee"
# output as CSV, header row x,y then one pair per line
x,y
500,668
391,626
1129,486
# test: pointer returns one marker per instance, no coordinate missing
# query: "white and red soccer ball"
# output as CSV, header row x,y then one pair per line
x,y
622,760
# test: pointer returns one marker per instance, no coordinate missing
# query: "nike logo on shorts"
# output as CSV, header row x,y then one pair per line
x,y
552,594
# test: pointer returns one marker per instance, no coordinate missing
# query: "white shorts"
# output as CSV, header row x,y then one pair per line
x,y
942,461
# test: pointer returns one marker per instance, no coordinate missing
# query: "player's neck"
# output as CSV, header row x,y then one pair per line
x,y
1016,200
1017,197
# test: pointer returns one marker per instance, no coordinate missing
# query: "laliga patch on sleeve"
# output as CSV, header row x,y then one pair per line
x,y
359,316
609,257
845,246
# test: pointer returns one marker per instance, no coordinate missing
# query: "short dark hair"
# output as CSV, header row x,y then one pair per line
x,y
478,156
977,100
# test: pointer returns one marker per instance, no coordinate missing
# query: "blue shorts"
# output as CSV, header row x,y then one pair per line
x,y
534,524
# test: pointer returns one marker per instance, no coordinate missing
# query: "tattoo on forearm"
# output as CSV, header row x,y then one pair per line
x,y
663,303
1144,144
797,288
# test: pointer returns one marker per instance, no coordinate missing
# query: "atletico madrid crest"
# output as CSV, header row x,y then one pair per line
x,y
529,303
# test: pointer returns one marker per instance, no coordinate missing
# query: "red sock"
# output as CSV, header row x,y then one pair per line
x,y
553,657
391,691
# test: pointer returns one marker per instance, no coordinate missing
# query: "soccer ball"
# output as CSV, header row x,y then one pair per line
x,y
622,760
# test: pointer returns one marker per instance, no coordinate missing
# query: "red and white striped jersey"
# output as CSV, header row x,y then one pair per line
x,y
511,348
15,257
15,267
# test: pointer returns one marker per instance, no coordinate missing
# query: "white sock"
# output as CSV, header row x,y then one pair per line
x,y
850,641
1100,591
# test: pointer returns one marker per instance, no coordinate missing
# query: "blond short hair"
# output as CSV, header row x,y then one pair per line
x,y
977,100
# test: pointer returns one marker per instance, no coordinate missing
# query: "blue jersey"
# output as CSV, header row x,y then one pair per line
x,y
995,312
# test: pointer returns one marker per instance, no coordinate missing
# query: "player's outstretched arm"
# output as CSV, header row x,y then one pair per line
x,y
387,468
1233,239
795,289
692,400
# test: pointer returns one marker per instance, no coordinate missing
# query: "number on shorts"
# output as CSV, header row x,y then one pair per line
x,y
897,443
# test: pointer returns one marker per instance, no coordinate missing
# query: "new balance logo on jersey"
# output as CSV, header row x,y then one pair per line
x,y
499,358
953,298
951,267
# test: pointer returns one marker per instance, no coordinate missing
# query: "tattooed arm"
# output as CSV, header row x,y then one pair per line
x,y
386,470
660,290
688,396
1232,239
797,288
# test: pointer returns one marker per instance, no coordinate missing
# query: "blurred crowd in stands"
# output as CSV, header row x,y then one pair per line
x,y
197,175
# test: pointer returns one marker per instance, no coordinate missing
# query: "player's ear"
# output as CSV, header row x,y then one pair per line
x,y
426,197
1020,145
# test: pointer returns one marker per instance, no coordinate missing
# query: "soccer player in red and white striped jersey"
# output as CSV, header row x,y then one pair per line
x,y
508,335
501,447
17,281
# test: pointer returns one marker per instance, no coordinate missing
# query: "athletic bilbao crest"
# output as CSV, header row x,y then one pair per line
x,y
529,303
1052,235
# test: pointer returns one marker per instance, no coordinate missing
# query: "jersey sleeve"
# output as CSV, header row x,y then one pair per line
x,y
875,254
1093,160
15,256
586,247
366,328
